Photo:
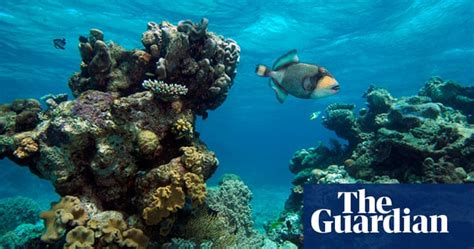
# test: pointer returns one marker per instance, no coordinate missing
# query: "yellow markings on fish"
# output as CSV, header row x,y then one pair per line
x,y
326,82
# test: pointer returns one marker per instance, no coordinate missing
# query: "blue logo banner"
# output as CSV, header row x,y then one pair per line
x,y
389,216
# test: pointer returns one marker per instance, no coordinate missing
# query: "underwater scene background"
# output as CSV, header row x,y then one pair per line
x,y
393,45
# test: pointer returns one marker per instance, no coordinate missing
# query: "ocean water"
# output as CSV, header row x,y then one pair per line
x,y
397,45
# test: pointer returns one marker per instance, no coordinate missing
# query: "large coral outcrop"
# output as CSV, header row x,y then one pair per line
x,y
425,138
127,143
404,135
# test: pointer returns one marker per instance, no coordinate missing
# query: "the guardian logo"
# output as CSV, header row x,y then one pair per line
x,y
374,215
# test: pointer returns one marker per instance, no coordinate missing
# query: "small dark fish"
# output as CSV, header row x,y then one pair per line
x,y
307,81
59,43
289,225
83,39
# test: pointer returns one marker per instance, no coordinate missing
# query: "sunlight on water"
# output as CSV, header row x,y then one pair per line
x,y
397,45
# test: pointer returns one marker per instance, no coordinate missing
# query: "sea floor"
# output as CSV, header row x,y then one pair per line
x,y
267,203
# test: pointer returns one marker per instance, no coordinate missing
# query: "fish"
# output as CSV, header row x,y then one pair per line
x,y
314,115
59,43
289,76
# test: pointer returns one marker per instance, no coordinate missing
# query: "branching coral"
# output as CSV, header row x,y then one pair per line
x,y
183,128
232,199
165,91
16,211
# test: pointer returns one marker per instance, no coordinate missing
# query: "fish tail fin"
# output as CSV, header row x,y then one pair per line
x,y
262,71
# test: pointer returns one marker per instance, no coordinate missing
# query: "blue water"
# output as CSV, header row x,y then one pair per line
x,y
394,44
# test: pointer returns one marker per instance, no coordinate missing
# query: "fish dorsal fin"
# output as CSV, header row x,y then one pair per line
x,y
280,93
285,60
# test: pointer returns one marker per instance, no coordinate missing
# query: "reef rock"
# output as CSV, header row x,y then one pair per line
x,y
425,138
451,94
400,135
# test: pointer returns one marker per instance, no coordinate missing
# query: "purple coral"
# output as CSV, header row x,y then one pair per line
x,y
94,106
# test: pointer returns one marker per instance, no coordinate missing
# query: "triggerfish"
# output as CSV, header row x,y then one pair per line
x,y
306,81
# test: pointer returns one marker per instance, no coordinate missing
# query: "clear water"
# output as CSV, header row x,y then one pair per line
x,y
394,44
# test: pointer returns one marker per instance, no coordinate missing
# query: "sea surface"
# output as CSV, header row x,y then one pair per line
x,y
397,45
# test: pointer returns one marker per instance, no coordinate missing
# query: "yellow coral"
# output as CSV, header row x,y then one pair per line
x,y
196,188
112,232
166,200
79,238
192,159
134,238
148,142
27,147
67,212
175,177
177,106
183,128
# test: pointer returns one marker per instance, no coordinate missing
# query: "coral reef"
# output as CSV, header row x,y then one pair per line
x,y
451,94
20,115
426,138
204,63
126,143
399,138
